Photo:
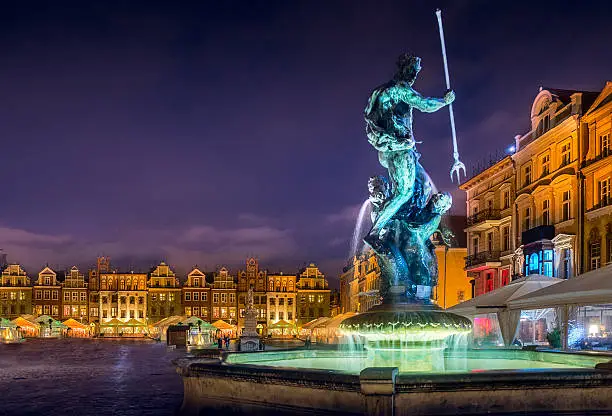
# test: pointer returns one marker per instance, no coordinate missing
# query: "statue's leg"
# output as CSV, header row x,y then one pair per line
x,y
402,174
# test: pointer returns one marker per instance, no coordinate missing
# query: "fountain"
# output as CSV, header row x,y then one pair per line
x,y
406,355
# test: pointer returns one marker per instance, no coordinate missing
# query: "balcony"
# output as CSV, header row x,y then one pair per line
x,y
482,260
603,208
541,232
484,219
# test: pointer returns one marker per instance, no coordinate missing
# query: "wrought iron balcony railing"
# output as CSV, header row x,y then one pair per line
x,y
487,214
482,257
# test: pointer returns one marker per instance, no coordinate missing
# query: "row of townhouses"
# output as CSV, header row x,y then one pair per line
x,y
110,298
546,207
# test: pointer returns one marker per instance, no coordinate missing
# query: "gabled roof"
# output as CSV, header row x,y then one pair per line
x,y
604,97
47,270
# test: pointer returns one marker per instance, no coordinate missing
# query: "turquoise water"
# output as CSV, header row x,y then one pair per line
x,y
419,361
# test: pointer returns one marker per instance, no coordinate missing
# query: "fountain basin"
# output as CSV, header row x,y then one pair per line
x,y
300,382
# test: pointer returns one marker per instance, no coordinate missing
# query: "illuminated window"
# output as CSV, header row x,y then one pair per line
x,y
489,283
505,277
547,264
527,219
83,296
566,206
506,199
162,297
223,312
311,298
527,175
75,296
171,297
188,310
566,154
55,310
272,301
204,296
545,165
196,296
196,281
187,296
595,254
603,191
66,296
272,316
223,297
546,212
604,144
232,298
505,238
215,312
47,295
215,298
196,311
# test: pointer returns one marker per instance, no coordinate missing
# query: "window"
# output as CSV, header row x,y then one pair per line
x,y
290,316
123,300
187,296
196,310
55,294
272,316
595,254
272,301
505,278
490,241
489,283
566,206
66,310
132,300
232,298
94,312
171,297
533,265
196,281
132,315
603,191
215,298
104,299
460,295
566,154
123,314
105,314
162,297
290,302
527,219
215,313
47,280
567,263
527,175
55,310
113,312
39,294
506,199
66,296
47,295
223,297
281,315
196,296
604,144
281,302
188,310
546,212
505,238
545,165
21,295
75,296
83,296
153,296
141,314
203,296
548,263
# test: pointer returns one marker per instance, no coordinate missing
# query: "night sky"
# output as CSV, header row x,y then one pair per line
x,y
204,133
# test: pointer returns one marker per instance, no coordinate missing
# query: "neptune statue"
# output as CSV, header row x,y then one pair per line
x,y
406,210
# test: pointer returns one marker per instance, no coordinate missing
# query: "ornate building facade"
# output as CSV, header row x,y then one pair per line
x,y
560,174
164,294
313,295
196,295
223,291
123,302
281,298
47,294
15,292
74,296
596,182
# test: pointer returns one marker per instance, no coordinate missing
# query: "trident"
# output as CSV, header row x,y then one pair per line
x,y
457,166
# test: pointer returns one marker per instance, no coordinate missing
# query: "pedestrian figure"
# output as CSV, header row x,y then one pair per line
x,y
220,342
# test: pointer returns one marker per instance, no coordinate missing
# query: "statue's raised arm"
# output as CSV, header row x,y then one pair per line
x,y
426,104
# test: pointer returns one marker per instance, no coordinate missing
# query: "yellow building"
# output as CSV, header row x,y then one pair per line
x,y
15,292
281,297
560,210
489,228
164,294
123,303
453,284
596,174
313,295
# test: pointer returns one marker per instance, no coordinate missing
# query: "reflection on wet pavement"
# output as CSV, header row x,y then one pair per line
x,y
88,377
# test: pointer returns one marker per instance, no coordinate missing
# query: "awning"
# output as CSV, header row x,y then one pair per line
x,y
5,323
44,320
591,288
74,324
197,322
112,322
312,324
221,324
281,325
499,299
24,322
171,320
132,322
